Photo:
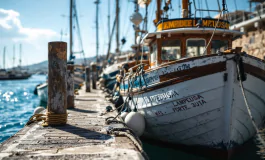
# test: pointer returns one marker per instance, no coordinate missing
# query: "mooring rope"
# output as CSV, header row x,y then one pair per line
x,y
49,118
129,134
247,105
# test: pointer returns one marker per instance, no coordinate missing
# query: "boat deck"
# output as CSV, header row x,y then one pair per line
x,y
83,137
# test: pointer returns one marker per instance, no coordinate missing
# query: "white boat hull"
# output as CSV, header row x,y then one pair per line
x,y
42,91
206,111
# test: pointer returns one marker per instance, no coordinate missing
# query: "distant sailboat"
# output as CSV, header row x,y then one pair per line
x,y
13,74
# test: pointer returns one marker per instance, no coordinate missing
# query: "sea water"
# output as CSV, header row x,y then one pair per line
x,y
17,103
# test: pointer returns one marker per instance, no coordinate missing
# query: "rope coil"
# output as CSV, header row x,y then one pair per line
x,y
49,118
55,119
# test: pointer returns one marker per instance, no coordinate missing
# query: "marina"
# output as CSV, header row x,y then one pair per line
x,y
192,88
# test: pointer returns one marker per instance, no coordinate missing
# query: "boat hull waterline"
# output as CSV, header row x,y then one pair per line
x,y
199,106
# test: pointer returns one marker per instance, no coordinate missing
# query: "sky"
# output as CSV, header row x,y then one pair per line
x,y
34,23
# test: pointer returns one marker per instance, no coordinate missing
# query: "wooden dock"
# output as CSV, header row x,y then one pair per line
x,y
83,137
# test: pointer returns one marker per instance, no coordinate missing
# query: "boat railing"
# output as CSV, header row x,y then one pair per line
x,y
241,16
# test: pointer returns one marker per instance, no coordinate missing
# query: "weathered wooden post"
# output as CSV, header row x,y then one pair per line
x,y
57,96
70,86
94,75
87,79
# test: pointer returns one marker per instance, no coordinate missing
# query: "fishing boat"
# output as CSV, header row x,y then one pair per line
x,y
108,76
42,92
197,90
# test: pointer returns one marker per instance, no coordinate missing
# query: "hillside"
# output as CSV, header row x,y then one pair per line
x,y
42,67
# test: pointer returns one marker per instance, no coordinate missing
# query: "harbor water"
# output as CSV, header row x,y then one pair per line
x,y
17,103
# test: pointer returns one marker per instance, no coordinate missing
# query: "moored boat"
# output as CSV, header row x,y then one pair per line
x,y
42,91
14,73
197,91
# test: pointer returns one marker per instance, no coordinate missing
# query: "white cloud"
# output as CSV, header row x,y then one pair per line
x,y
11,27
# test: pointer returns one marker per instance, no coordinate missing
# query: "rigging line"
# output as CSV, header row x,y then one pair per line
x,y
112,32
128,27
125,32
199,3
235,4
104,31
247,104
126,15
206,2
202,7
151,16
79,34
179,9
220,14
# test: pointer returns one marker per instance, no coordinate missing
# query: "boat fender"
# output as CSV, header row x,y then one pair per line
x,y
136,122
124,114
38,110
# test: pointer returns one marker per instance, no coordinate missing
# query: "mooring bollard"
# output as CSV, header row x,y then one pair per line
x,y
70,86
94,75
87,79
57,95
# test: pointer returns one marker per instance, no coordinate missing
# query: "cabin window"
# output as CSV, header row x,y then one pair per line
x,y
170,50
195,47
218,45
153,53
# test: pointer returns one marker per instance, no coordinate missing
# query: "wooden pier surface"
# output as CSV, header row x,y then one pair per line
x,y
83,137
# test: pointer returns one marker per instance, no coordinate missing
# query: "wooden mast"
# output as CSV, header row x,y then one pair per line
x,y
71,30
158,12
136,31
185,8
97,38
117,28
109,18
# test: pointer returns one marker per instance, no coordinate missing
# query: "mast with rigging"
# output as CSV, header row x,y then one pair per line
x,y
97,37
20,55
71,31
117,27
4,57
14,52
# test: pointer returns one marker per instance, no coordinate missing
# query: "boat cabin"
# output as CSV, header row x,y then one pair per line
x,y
188,37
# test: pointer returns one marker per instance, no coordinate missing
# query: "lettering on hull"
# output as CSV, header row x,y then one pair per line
x,y
188,103
161,97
